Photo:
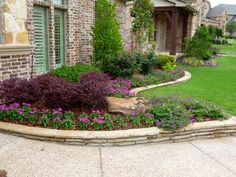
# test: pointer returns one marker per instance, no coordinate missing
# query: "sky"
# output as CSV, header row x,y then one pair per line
x,y
216,2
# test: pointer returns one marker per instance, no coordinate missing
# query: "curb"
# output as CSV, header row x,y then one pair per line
x,y
187,77
203,130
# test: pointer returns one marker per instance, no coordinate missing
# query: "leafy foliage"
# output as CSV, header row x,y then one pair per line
x,y
123,65
166,62
157,77
127,63
106,38
142,25
19,90
215,32
191,61
198,46
60,94
72,73
93,89
231,27
173,112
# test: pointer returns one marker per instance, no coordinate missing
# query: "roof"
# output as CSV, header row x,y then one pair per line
x,y
173,3
216,11
230,8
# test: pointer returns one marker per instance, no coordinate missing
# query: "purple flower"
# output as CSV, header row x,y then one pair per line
x,y
26,104
59,109
16,105
84,119
96,111
99,120
56,112
158,123
33,111
3,107
11,107
20,111
56,119
141,110
173,126
149,116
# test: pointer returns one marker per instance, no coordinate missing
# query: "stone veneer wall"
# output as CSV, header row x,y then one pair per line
x,y
15,51
13,17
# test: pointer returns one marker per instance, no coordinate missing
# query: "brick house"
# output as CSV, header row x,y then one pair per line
x,y
39,35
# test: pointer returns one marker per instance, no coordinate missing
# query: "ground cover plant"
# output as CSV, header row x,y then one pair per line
x,y
166,112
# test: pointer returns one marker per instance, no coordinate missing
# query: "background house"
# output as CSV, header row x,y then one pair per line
x,y
231,10
216,16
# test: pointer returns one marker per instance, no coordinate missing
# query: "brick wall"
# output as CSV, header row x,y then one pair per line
x,y
15,65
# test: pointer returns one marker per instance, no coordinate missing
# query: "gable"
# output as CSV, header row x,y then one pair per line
x,y
168,3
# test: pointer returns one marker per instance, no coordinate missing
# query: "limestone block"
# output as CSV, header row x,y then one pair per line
x,y
22,38
8,38
127,105
14,16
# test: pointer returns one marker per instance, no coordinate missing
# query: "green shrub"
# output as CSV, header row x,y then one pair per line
x,y
73,73
169,67
106,37
215,50
198,46
165,62
123,65
173,112
127,63
146,62
192,61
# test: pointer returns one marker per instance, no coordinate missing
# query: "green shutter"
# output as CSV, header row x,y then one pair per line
x,y
40,39
59,38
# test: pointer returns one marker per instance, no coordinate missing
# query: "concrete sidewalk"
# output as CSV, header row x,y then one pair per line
x,y
204,158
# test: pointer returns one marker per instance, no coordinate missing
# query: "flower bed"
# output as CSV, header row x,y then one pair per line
x,y
171,112
27,114
67,103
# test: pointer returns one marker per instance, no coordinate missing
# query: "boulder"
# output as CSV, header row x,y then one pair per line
x,y
127,105
3,173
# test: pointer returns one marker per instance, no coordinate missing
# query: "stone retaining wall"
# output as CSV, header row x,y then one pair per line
x,y
204,130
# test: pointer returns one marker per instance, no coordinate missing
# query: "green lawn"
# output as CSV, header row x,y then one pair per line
x,y
228,50
214,84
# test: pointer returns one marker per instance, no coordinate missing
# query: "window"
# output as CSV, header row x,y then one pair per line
x,y
58,2
1,37
41,39
59,37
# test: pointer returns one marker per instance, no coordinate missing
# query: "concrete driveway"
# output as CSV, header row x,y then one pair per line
x,y
204,158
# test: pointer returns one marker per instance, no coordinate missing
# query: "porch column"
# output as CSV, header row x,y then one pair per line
x,y
174,26
185,29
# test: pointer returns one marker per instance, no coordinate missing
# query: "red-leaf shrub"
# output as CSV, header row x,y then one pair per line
x,y
20,90
90,92
57,92
93,89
